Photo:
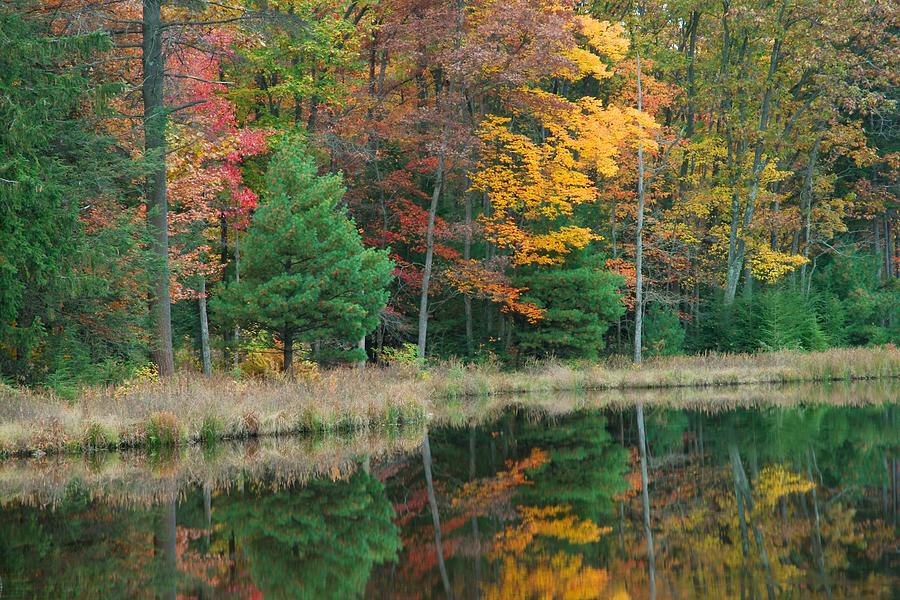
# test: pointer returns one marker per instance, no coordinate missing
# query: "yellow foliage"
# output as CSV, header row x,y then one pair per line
x,y
562,576
775,481
148,373
604,37
528,571
550,521
533,184
771,265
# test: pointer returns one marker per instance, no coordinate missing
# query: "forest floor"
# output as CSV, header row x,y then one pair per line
x,y
190,409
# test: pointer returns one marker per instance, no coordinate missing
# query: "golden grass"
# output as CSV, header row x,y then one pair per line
x,y
844,364
188,409
142,479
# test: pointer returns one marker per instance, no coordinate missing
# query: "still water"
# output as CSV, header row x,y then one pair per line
x,y
776,498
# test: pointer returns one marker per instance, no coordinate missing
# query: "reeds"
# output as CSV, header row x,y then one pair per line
x,y
189,409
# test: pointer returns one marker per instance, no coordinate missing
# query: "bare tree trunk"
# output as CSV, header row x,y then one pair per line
x,y
157,206
467,256
639,236
288,339
645,500
429,254
737,249
204,330
207,511
435,516
164,550
361,365
236,355
806,202
745,506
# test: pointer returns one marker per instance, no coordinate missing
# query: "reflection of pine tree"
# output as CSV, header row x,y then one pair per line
x,y
317,541
586,468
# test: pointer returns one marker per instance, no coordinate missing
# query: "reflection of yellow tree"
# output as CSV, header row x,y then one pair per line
x,y
529,568
700,534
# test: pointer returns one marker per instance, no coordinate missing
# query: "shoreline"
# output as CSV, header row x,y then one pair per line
x,y
189,409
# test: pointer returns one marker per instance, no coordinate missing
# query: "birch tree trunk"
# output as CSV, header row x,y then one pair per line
x,y
204,330
639,236
429,255
645,500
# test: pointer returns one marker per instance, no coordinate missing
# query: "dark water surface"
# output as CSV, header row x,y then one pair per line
x,y
768,501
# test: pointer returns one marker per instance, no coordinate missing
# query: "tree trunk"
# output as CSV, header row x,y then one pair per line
x,y
745,506
806,202
435,516
639,236
467,256
204,330
236,355
429,254
645,500
737,248
288,339
361,365
157,207
164,550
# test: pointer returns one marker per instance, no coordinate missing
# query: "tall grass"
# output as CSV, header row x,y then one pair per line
x,y
188,409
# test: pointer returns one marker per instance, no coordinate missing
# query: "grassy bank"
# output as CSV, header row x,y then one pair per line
x,y
846,364
188,409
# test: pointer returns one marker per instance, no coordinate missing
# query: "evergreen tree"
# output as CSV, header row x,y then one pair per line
x,y
305,274
580,303
67,293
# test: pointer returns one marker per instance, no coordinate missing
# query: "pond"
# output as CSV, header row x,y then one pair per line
x,y
792,493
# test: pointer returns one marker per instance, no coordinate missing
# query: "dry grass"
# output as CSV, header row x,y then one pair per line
x,y
710,399
674,372
138,478
189,409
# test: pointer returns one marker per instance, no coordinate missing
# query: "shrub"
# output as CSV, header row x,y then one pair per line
x,y
163,430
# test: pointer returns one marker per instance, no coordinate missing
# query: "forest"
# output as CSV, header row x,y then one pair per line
x,y
250,186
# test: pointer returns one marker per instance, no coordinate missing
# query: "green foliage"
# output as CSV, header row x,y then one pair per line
x,y
70,296
405,356
305,274
663,333
580,303
586,468
848,305
319,540
769,320
856,308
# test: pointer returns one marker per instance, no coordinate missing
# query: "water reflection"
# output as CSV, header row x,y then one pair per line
x,y
763,502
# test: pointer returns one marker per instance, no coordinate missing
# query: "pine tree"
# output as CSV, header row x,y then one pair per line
x,y
580,303
305,274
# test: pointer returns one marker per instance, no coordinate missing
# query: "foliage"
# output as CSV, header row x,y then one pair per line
x,y
306,275
665,334
71,265
321,539
579,304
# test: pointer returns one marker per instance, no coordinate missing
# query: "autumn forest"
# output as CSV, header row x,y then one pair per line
x,y
251,186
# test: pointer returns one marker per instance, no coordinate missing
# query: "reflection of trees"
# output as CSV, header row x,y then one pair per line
x,y
317,541
772,503
530,568
79,549
567,473
585,470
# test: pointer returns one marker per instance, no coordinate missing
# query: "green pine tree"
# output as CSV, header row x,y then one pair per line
x,y
305,274
580,304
